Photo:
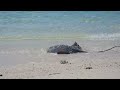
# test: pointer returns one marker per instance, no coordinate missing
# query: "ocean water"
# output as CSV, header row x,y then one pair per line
x,y
26,35
59,25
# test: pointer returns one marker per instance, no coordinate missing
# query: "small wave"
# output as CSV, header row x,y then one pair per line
x,y
43,51
24,51
47,37
105,36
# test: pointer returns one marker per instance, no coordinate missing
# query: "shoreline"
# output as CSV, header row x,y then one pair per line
x,y
22,62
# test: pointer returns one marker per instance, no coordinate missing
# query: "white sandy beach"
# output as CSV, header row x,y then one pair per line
x,y
32,64
25,37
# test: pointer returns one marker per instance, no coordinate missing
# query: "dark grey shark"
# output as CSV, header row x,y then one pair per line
x,y
65,49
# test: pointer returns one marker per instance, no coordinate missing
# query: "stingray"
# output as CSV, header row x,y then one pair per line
x,y
65,49
75,48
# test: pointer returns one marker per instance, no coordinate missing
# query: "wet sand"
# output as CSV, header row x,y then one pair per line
x,y
34,63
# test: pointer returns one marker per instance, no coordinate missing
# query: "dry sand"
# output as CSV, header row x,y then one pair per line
x,y
92,65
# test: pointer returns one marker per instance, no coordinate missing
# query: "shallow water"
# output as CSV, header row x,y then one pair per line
x,y
26,35
59,25
21,52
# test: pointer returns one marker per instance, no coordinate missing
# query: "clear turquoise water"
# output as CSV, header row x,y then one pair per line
x,y
25,35
21,25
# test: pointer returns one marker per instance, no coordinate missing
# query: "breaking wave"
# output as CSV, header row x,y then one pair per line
x,y
105,36
24,51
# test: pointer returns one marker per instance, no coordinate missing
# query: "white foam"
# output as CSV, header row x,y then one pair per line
x,y
105,36
43,51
